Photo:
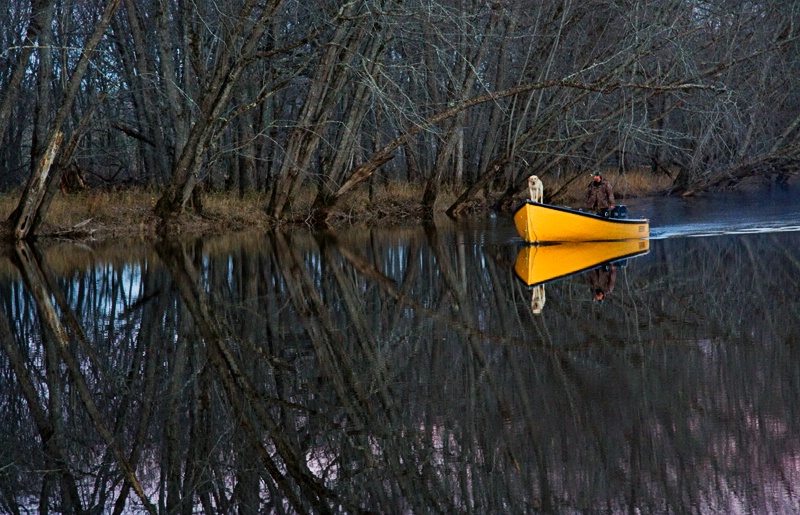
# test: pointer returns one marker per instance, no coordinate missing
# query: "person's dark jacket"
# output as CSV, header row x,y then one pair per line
x,y
599,195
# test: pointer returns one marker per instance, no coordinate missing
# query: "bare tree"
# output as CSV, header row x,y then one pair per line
x,y
237,47
324,91
30,203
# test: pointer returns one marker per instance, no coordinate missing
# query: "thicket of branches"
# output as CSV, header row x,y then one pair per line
x,y
280,94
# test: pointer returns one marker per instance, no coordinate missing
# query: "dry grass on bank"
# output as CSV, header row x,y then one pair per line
x,y
110,214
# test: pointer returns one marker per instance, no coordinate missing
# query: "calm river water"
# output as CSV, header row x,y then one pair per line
x,y
403,371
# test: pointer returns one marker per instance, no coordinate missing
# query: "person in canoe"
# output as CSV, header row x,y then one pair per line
x,y
599,195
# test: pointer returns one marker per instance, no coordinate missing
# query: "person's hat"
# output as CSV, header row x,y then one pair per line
x,y
596,173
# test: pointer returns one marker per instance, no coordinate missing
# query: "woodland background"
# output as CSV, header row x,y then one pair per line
x,y
280,95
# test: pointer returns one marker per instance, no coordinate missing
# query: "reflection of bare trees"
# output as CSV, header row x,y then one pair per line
x,y
294,374
59,352
284,469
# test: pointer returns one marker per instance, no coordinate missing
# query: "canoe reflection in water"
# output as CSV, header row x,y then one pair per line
x,y
537,265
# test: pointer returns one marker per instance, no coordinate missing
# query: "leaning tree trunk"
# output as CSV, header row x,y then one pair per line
x,y
60,165
330,76
359,104
214,101
29,205
324,207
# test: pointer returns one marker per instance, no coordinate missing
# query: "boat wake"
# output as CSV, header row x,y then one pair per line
x,y
729,213
704,230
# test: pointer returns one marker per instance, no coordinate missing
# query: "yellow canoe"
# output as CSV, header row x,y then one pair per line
x,y
543,223
543,263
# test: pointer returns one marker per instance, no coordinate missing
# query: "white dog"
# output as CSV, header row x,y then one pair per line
x,y
535,188
537,299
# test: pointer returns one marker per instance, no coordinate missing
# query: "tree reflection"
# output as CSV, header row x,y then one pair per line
x,y
294,373
60,353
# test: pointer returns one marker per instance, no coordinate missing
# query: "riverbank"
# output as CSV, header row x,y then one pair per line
x,y
103,214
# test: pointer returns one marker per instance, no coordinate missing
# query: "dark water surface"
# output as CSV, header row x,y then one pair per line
x,y
403,371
